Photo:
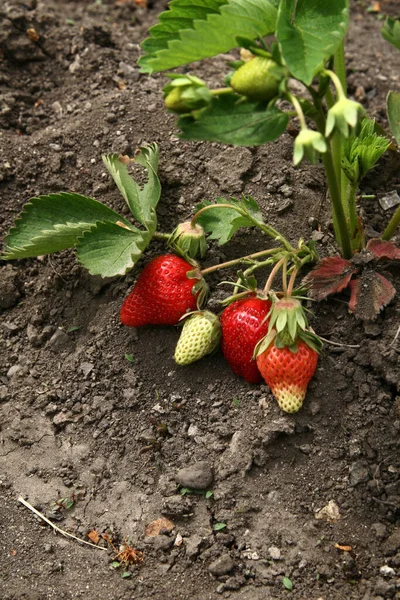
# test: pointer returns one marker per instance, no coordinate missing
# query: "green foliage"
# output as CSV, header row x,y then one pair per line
x,y
287,583
219,526
142,202
391,31
393,111
195,29
55,222
361,152
230,121
221,223
309,32
107,244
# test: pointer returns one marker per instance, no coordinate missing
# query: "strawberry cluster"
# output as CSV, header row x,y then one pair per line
x,y
262,336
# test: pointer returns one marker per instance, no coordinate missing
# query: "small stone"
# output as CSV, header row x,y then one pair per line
x,y
392,544
285,206
198,476
390,200
13,371
59,340
192,545
330,512
274,553
358,473
61,419
193,431
223,565
380,530
162,542
387,571
10,288
57,108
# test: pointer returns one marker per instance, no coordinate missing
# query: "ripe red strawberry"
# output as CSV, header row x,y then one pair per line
x,y
287,373
162,294
243,324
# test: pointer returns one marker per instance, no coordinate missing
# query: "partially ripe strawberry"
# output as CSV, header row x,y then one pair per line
x,y
287,373
258,79
200,336
162,294
244,323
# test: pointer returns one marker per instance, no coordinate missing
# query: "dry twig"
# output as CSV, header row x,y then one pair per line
x,y
64,533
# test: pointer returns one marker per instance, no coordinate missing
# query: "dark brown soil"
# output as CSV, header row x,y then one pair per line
x,y
80,420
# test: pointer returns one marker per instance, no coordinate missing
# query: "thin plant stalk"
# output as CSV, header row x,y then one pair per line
x,y
393,224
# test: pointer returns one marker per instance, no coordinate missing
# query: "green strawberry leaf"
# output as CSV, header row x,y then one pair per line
x,y
221,223
230,121
393,111
108,249
195,29
309,32
142,201
391,31
54,222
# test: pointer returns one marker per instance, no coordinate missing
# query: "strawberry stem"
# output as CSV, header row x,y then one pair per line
x,y
220,91
291,282
272,276
161,236
236,261
284,278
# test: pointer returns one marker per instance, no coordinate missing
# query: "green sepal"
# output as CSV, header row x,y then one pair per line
x,y
312,340
264,343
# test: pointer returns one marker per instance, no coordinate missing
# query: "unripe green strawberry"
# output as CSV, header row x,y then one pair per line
x,y
258,79
200,335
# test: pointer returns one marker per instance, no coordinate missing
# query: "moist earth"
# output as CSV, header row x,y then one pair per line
x,y
99,414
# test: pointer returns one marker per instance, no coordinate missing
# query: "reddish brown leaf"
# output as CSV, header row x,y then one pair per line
x,y
382,249
369,295
94,536
330,276
159,527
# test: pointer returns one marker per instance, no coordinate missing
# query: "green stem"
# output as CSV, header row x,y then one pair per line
x,y
343,232
236,261
161,236
393,224
339,216
267,229
292,98
351,203
340,66
221,91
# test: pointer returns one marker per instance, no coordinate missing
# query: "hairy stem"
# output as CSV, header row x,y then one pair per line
x,y
393,224
236,261
291,282
272,276
158,235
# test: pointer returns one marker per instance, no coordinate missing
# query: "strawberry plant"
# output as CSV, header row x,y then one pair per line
x,y
252,107
264,333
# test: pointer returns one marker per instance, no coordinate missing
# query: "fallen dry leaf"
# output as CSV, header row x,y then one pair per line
x,y
159,527
94,536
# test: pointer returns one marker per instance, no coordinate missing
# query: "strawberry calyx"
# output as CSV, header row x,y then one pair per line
x,y
287,324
